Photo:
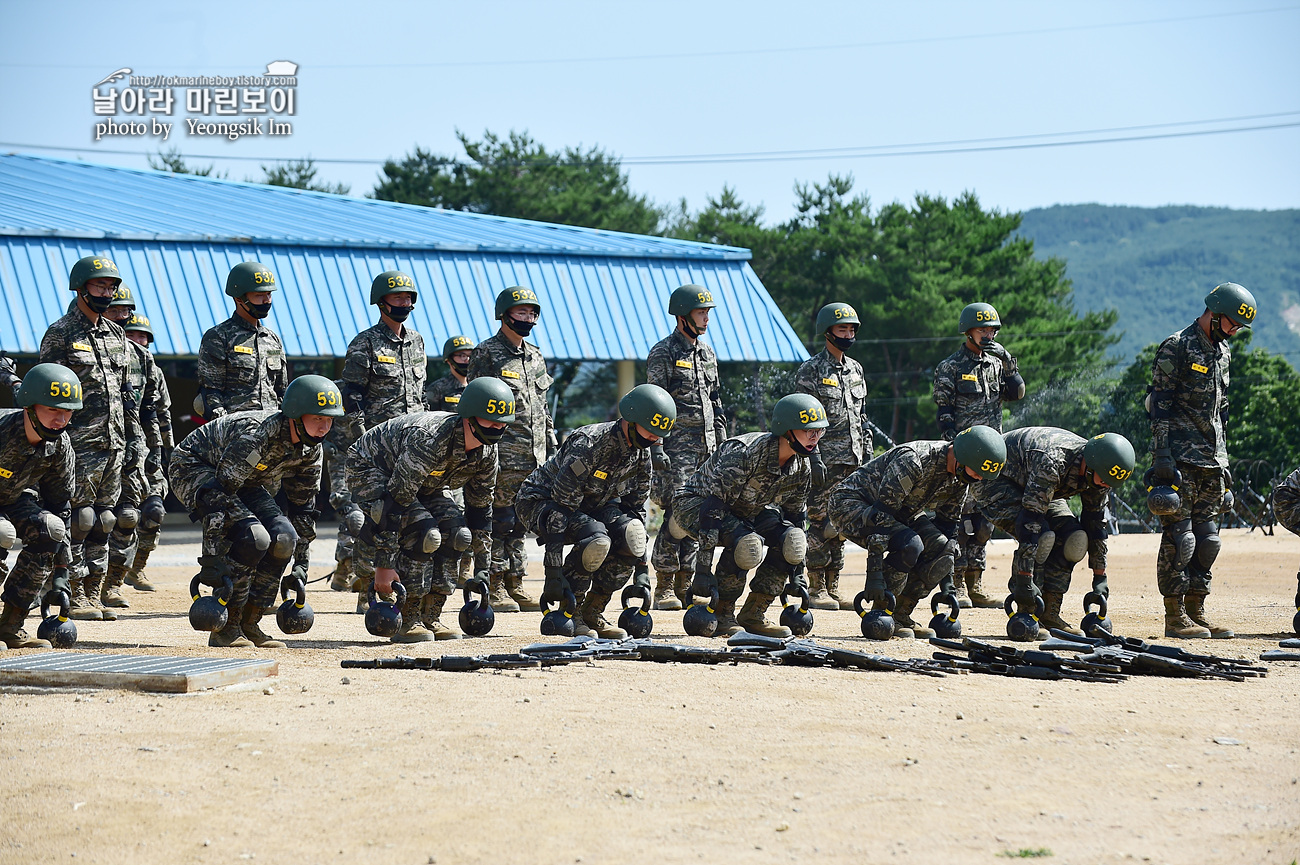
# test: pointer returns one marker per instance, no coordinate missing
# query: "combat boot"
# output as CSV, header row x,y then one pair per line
x,y
250,627
726,612
902,631
581,628
593,613
974,579
665,599
431,615
341,579
413,629
681,586
498,599
81,608
1051,617
135,577
93,586
833,589
959,590
818,599
11,629
1195,607
753,616
231,636
515,588
903,618
111,595
1177,624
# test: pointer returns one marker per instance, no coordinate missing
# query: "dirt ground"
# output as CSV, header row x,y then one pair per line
x,y
637,762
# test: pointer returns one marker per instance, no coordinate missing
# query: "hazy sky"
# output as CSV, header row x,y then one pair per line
x,y
667,79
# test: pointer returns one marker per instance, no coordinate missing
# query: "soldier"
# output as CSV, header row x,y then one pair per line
x,y
95,349
688,369
1286,505
882,505
592,494
1030,500
37,479
753,491
228,472
528,441
970,386
443,394
241,362
1189,418
401,473
838,383
157,418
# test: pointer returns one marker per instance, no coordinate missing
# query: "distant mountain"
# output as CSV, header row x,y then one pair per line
x,y
1156,264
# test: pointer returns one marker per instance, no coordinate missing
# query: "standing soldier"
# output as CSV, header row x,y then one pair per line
x,y
1030,500
228,473
838,383
37,479
241,362
688,370
402,472
753,491
443,394
95,349
592,494
529,438
157,420
970,386
1286,506
1189,447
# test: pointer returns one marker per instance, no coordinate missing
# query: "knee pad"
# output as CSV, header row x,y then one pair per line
x,y
904,550
152,512
675,530
592,546
105,521
629,537
249,541
50,533
504,521
460,538
284,538
421,539
127,517
1075,548
8,534
1208,543
83,520
748,551
794,546
1069,540
1180,535
1046,542
932,571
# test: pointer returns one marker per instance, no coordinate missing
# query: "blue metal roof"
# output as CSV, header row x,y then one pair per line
x,y
175,237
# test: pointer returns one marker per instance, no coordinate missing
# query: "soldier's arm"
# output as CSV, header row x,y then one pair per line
x,y
634,502
54,347
480,487
212,374
572,469
281,382
794,504
1164,392
657,367
899,478
356,377
806,379
481,363
300,488
1094,523
164,409
949,510
240,459
59,483
1043,481
421,455
944,399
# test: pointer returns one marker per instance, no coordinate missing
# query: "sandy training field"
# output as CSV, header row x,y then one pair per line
x,y
625,762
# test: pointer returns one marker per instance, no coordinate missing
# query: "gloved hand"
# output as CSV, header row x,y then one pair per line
x,y
1163,467
818,471
704,584
555,585
1025,592
876,587
947,586
299,573
641,576
59,581
1100,585
659,460
800,579
9,372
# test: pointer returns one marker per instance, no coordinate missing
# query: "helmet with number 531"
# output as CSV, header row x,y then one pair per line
x,y
312,394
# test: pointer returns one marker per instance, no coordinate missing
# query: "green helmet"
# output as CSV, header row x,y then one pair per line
x,y
391,281
1111,456
1234,301
978,315
123,296
249,276
516,295
140,323
686,298
487,398
980,449
455,344
52,385
649,406
797,411
92,267
312,394
835,313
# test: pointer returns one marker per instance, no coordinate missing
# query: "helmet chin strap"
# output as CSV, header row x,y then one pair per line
x,y
689,326
796,446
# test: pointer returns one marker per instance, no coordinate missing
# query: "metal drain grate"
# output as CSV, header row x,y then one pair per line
x,y
146,672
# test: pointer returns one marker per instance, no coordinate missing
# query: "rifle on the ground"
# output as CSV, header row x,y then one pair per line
x,y
802,652
992,659
1139,657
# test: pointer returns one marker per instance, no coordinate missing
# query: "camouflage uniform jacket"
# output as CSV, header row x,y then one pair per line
x,y
593,466
443,394
1190,398
48,468
907,480
689,372
241,368
746,474
140,424
1044,461
98,354
525,371
842,390
968,391
388,370
424,453
157,409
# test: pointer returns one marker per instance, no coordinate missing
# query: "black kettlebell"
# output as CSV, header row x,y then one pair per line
x,y
57,628
1096,619
878,622
1295,623
1023,627
637,620
797,617
701,618
208,612
559,621
294,616
476,617
384,619
945,626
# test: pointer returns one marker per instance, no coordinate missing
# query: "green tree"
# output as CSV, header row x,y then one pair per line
x,y
172,161
299,174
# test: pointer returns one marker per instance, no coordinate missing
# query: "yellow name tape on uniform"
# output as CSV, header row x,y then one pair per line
x,y
509,373
5,473
384,358
437,473
1199,368
261,467
243,349
685,364
81,346
966,376
451,399
832,382
602,475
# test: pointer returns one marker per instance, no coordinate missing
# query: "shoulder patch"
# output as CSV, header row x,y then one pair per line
x,y
243,349
578,468
254,459
906,483
1166,365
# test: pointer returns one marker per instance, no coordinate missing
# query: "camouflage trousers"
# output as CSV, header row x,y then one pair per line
x,y
1286,506
686,451
972,543
419,576
825,540
24,582
1000,502
340,438
508,556
1201,497
612,574
871,527
99,485
770,576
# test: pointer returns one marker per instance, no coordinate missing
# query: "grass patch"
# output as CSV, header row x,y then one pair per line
x,y
1027,853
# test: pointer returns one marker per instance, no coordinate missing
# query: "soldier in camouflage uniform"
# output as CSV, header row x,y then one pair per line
x,y
688,369
753,491
881,507
37,479
242,366
443,394
402,473
1030,500
970,386
1189,417
529,438
233,473
838,383
1286,505
156,415
592,494
95,349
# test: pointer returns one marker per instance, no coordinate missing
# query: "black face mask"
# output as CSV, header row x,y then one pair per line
x,y
487,435
258,310
98,305
42,430
1216,329
964,476
301,428
398,314
461,369
843,343
798,448
523,328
